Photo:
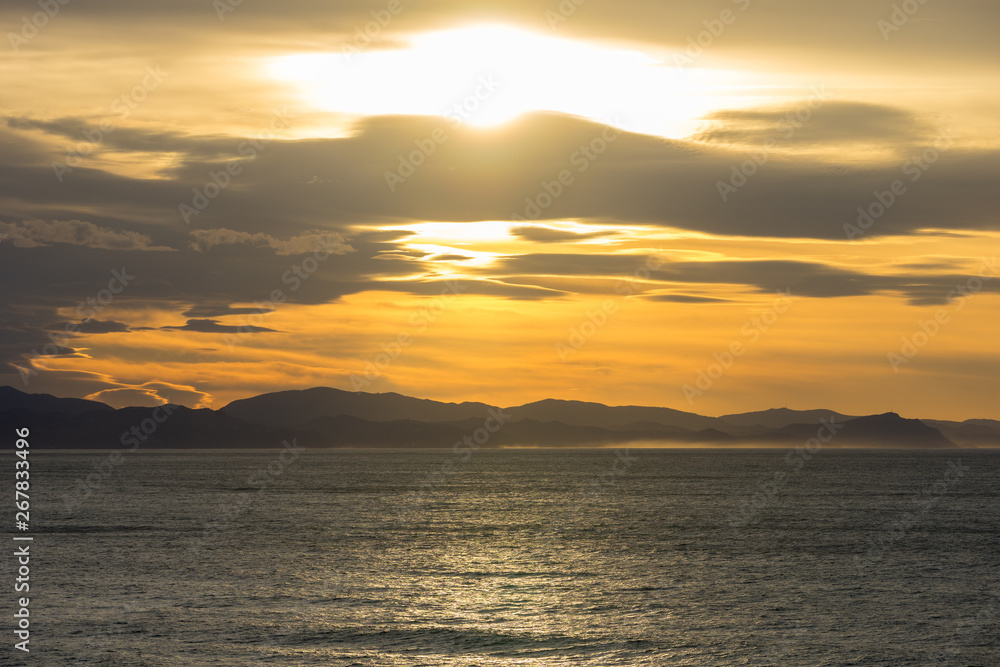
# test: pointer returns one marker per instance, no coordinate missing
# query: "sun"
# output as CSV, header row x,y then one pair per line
x,y
487,75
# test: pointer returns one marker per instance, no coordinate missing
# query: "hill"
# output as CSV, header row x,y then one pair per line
x,y
326,417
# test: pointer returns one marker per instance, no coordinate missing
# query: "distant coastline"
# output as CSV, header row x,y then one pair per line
x,y
330,418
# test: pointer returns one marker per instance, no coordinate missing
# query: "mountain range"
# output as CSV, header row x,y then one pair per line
x,y
325,417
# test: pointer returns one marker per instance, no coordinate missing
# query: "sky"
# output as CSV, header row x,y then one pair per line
x,y
717,207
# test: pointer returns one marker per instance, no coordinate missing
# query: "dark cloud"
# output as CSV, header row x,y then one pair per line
x,y
550,235
131,139
212,326
451,258
933,263
202,286
90,326
831,122
298,187
212,311
31,233
784,33
18,149
802,279
686,298
304,244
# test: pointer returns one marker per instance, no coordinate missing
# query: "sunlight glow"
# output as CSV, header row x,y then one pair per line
x,y
457,233
488,75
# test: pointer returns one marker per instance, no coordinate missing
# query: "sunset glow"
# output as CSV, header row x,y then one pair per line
x,y
288,196
504,72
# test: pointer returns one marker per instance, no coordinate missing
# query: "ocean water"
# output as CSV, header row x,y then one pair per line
x,y
515,557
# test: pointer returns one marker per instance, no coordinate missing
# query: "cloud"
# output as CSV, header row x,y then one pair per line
x,y
130,139
55,351
540,234
43,281
124,397
211,311
834,122
802,278
297,187
212,326
783,33
90,326
151,394
686,298
34,233
319,241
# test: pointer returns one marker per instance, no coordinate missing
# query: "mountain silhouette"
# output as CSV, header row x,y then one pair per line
x,y
779,417
12,399
885,430
326,417
580,413
970,433
169,426
290,409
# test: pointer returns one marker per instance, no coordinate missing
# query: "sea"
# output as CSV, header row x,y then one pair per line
x,y
512,557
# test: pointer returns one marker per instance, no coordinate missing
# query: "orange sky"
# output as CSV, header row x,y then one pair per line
x,y
501,205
